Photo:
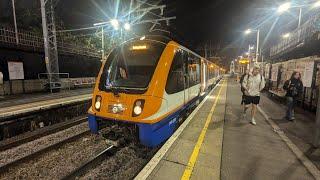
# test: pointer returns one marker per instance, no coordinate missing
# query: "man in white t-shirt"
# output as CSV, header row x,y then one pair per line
x,y
252,84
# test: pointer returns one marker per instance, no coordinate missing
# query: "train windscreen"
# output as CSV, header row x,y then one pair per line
x,y
131,66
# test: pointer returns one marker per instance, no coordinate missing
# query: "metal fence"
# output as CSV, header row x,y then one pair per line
x,y
32,40
64,81
297,38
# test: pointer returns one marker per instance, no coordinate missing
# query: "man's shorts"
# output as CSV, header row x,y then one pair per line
x,y
251,100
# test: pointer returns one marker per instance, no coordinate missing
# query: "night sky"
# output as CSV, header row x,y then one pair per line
x,y
197,21
218,21
221,22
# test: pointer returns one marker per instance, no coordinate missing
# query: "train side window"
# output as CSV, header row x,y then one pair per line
x,y
175,81
194,70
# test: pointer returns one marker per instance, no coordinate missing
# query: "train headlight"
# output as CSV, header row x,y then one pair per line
x,y
137,107
137,110
97,104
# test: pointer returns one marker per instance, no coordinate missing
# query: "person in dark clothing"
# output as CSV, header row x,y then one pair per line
x,y
242,88
294,88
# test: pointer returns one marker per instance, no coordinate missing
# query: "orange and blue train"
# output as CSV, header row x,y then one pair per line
x,y
150,82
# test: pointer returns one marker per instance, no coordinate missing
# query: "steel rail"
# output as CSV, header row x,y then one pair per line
x,y
91,163
39,152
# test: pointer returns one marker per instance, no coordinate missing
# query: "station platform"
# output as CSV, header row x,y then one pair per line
x,y
25,103
215,142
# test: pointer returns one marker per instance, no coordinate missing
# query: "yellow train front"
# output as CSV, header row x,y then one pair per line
x,y
151,82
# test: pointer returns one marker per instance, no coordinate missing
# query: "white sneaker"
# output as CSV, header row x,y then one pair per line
x,y
253,121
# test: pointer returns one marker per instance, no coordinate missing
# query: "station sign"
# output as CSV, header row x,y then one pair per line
x,y
244,61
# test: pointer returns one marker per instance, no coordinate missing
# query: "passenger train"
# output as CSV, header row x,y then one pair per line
x,y
150,82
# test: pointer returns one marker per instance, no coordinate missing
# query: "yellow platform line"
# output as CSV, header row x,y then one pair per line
x,y
194,156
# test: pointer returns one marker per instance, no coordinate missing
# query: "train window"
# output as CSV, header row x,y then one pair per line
x,y
131,65
194,70
212,71
175,81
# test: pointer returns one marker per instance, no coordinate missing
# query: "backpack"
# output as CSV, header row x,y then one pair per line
x,y
241,81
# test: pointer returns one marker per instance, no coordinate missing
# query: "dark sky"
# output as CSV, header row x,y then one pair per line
x,y
198,21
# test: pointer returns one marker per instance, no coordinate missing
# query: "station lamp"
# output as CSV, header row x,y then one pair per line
x,y
115,24
127,26
316,4
248,31
285,36
284,7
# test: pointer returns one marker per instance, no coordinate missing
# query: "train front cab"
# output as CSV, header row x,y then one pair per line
x,y
172,91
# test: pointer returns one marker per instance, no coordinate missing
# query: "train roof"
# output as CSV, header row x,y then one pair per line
x,y
166,40
163,39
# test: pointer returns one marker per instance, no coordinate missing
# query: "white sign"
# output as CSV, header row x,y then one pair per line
x,y
15,70
308,74
274,72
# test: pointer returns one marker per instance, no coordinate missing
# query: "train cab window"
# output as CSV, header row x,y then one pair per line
x,y
175,81
194,70
130,66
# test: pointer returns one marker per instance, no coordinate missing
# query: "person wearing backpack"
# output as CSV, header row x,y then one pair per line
x,y
294,88
242,88
253,85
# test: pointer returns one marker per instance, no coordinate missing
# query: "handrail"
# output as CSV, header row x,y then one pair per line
x,y
44,77
35,41
297,37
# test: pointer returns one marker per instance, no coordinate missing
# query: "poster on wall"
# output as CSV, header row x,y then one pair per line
x,y
282,74
267,71
318,74
308,73
15,70
274,72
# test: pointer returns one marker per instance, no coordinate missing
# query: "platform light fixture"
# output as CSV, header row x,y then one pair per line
x,y
127,26
284,7
316,4
115,24
248,31
285,36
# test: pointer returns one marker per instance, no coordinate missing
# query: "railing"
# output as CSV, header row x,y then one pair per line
x,y
48,82
34,41
297,37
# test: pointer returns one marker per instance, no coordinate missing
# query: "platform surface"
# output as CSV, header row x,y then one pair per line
x,y
231,147
18,104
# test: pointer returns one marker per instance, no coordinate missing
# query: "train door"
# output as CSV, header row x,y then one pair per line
x,y
194,76
186,77
175,86
203,76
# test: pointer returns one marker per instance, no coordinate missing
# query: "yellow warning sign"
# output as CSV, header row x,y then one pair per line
x,y
244,61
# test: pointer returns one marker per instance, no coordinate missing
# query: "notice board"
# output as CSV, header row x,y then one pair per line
x,y
308,73
274,72
15,70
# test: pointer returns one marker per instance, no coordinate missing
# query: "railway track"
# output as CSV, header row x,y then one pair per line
x,y
72,159
91,163
28,157
30,136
